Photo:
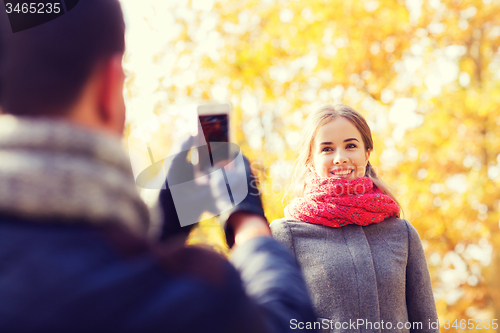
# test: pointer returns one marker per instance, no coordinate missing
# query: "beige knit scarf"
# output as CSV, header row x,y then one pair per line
x,y
51,170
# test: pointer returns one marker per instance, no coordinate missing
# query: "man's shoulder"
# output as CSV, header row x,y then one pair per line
x,y
173,257
124,277
108,243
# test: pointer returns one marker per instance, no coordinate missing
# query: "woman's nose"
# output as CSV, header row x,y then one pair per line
x,y
339,157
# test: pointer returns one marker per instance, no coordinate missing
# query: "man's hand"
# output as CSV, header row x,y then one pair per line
x,y
246,226
229,191
246,219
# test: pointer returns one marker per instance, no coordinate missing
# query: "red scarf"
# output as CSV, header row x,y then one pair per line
x,y
335,202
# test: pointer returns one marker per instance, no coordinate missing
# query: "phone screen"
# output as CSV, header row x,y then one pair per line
x,y
216,131
215,127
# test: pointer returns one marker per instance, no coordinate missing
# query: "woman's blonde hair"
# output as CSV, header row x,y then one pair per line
x,y
317,119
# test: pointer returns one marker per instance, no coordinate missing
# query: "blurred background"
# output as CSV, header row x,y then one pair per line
x,y
424,73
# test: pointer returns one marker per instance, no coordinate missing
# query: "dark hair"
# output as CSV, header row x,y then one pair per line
x,y
44,69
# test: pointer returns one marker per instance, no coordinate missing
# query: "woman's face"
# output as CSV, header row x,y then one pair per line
x,y
338,151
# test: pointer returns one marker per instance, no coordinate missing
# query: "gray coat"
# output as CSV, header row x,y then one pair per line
x,y
377,274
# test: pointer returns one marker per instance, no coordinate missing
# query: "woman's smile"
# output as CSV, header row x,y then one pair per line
x,y
341,173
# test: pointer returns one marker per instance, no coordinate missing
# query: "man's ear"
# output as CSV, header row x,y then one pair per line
x,y
110,97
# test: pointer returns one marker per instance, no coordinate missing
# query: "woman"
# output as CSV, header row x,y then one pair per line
x,y
364,266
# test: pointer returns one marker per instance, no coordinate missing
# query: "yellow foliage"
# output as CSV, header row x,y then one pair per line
x,y
277,60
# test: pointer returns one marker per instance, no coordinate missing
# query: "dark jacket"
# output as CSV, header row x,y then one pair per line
x,y
57,277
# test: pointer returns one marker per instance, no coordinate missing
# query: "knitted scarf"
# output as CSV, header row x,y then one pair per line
x,y
54,171
335,202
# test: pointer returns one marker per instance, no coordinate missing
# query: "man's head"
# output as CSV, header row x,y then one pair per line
x,y
69,67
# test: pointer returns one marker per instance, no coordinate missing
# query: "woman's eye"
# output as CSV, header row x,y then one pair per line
x,y
326,149
351,145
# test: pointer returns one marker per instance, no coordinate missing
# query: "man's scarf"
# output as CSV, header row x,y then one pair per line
x,y
54,171
335,202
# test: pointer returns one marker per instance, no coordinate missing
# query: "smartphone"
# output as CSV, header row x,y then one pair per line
x,y
215,125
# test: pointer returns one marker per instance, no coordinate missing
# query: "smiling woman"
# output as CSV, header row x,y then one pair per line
x,y
339,151
360,261
342,123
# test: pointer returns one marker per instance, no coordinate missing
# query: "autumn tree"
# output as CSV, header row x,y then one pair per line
x,y
451,162
423,73
273,60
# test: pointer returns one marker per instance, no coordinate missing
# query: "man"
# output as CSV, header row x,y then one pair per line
x,y
74,248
